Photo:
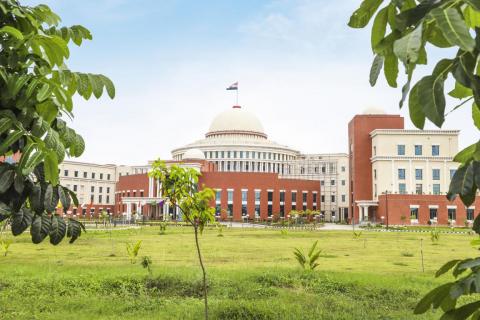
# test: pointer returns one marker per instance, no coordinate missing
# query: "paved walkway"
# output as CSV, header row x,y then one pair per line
x,y
326,227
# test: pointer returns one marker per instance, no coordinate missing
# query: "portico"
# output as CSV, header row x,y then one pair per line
x,y
364,206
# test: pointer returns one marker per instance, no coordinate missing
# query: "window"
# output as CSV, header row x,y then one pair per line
x,y
418,150
101,176
452,173
333,198
257,210
100,199
304,197
65,173
401,174
401,149
323,169
75,174
418,174
100,189
322,183
218,196
91,198
332,182
93,175
343,168
294,197
436,174
433,213
141,194
282,210
413,213
470,214
92,189
244,209
282,196
75,187
85,174
435,150
374,173
257,196
374,150
436,188
343,198
322,198
452,214
244,195
230,195
270,210
402,188
418,188
230,210
343,182
108,199
270,196
108,189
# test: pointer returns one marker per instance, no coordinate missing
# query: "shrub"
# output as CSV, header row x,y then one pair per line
x,y
133,249
308,262
147,264
434,236
5,244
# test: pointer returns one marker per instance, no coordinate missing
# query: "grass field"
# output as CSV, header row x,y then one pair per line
x,y
253,275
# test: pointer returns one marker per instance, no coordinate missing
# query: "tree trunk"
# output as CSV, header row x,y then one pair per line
x,y
195,227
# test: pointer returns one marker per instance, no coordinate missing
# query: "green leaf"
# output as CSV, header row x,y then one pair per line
x,y
21,220
446,267
40,228
474,3
11,139
466,154
476,224
362,15
5,124
432,297
407,48
379,26
432,98
453,28
435,36
472,17
463,184
415,108
464,312
64,199
375,69
460,91
78,146
5,211
74,229
44,92
48,111
6,180
58,230
12,31
51,167
476,115
18,183
108,85
390,69
35,198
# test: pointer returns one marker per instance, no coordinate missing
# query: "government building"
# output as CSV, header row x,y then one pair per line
x,y
389,175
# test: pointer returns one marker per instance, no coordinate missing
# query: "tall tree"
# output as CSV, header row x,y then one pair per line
x,y
36,91
400,33
179,186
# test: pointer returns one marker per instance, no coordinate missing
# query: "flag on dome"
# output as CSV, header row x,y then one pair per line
x,y
233,86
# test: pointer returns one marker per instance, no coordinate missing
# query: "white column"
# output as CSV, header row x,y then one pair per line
x,y
150,187
360,213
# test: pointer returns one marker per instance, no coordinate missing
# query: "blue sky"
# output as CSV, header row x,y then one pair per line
x,y
300,69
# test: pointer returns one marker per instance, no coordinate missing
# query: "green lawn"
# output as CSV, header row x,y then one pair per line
x,y
253,275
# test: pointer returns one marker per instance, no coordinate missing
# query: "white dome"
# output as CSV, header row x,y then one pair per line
x,y
236,120
193,154
373,110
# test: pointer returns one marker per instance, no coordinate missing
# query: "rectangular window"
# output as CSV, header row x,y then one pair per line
x,y
108,189
270,210
343,182
257,196
100,199
332,182
470,214
436,174
304,197
75,187
92,189
100,189
322,198
230,195
91,198
401,174
93,175
333,198
402,188
452,173
343,168
244,195
418,188
343,198
322,183
244,209
401,149
282,210
436,188
270,196
418,174
433,213
85,174
418,150
282,196
374,173
75,174
435,150
452,214
230,210
218,196
413,213
294,197
218,209
314,198
108,199
257,210
65,173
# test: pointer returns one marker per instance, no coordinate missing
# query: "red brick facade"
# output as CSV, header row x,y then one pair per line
x,y
360,152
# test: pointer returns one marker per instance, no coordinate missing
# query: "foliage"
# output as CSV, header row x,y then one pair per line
x,y
37,91
357,234
163,228
133,250
180,186
400,33
308,261
4,245
147,264
435,236
453,24
220,228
